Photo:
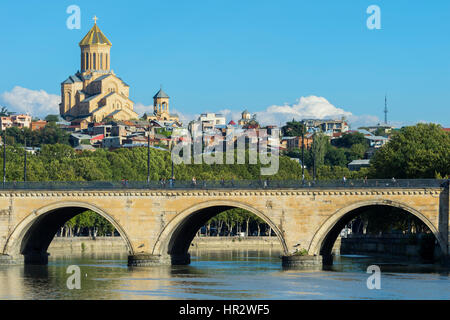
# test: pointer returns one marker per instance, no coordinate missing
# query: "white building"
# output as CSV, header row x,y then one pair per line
x,y
16,120
213,119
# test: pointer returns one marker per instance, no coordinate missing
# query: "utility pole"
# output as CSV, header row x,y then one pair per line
x,y
148,156
303,152
4,158
171,160
313,147
25,163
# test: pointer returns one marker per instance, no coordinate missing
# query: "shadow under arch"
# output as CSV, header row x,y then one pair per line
x,y
176,237
33,235
323,240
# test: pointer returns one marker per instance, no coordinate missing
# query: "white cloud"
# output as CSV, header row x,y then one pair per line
x,y
311,107
37,103
141,108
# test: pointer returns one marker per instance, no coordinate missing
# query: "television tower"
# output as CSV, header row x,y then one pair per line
x,y
385,109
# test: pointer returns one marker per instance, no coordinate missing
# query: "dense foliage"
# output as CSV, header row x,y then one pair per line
x,y
421,151
50,134
59,162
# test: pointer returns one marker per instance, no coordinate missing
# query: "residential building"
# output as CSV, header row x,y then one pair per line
x,y
356,165
377,141
212,119
296,142
21,120
78,138
112,142
328,127
5,122
37,125
16,120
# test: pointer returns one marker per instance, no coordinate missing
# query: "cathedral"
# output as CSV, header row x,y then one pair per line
x,y
95,92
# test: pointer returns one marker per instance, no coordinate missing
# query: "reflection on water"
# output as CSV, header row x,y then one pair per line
x,y
225,274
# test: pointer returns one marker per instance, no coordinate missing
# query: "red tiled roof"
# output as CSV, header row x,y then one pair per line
x,y
98,137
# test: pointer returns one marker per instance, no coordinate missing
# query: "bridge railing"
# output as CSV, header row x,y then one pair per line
x,y
229,184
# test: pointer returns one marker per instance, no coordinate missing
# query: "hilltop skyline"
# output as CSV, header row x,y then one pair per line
x,y
295,60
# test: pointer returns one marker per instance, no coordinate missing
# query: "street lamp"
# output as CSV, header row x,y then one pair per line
x,y
148,156
313,149
25,162
171,160
4,158
303,152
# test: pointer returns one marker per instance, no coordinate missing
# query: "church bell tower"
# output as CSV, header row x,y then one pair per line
x,y
95,50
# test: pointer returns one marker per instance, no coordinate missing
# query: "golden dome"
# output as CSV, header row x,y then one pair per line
x,y
94,36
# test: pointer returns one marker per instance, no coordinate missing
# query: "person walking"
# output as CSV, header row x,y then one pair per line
x,y
194,182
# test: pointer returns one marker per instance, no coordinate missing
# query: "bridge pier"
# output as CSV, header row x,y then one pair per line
x,y
146,259
302,262
36,258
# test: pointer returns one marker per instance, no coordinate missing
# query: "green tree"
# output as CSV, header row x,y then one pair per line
x,y
293,129
349,139
52,118
319,148
420,151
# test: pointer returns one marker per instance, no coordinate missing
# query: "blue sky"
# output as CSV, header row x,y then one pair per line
x,y
230,55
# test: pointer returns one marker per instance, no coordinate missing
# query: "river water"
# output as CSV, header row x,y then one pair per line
x,y
226,274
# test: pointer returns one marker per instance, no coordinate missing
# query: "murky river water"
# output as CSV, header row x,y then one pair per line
x,y
239,274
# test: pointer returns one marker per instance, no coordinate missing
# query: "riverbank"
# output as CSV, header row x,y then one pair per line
x,y
116,244
87,244
224,243
392,245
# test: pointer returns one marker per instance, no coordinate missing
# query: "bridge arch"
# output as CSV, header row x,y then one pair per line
x,y
178,234
328,232
36,231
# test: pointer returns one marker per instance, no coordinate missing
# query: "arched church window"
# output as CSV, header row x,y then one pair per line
x,y
101,61
68,98
95,60
87,62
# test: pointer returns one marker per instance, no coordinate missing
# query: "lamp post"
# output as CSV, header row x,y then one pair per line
x,y
313,149
303,153
25,163
171,160
148,156
4,158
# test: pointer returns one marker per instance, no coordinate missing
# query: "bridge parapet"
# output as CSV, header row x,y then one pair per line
x,y
229,185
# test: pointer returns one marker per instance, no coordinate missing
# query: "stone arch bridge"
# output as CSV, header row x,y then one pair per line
x,y
159,225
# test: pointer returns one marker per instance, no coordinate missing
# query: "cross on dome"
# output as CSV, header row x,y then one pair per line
x,y
95,19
